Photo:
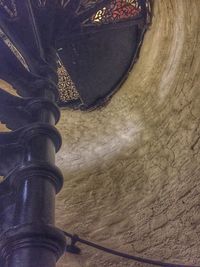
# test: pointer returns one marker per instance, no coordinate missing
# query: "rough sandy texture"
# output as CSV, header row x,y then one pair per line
x,y
132,175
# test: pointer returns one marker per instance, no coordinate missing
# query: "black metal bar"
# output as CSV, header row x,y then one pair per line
x,y
32,258
27,155
30,238
35,205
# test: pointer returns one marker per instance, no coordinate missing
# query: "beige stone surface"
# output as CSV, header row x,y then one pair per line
x,y
132,175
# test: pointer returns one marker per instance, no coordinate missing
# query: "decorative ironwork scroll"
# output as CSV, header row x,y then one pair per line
x,y
82,31
104,34
67,89
117,10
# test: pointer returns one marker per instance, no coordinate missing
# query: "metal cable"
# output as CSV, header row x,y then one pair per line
x,y
73,249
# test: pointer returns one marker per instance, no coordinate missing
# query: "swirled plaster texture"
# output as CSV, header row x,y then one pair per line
x,y
132,175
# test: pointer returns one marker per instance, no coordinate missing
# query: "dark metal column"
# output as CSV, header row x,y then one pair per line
x,y
32,239
42,244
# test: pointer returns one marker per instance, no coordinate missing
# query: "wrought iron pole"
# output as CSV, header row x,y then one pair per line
x,y
32,239
28,236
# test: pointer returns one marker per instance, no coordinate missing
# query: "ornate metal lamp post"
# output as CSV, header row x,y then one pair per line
x,y
39,39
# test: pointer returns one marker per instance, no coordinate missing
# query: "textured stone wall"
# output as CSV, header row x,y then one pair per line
x,y
132,175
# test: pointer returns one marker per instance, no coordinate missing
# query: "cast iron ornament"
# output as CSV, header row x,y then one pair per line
x,y
97,42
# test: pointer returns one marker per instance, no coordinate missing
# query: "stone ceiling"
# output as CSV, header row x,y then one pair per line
x,y
132,175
